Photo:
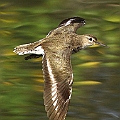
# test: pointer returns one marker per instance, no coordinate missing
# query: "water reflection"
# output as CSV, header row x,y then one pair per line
x,y
21,87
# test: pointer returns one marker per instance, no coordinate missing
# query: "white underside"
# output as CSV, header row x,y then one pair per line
x,y
38,50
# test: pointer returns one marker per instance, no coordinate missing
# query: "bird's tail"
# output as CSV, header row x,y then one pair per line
x,y
31,48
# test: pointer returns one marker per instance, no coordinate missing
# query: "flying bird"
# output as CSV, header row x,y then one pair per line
x,y
56,49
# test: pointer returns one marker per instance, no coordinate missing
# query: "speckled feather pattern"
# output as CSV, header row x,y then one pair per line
x,y
56,49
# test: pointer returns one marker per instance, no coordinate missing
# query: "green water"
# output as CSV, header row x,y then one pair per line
x,y
96,88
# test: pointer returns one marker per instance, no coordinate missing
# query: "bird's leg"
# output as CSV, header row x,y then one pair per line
x,y
31,56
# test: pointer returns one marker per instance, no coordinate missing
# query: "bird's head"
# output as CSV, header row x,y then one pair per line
x,y
89,40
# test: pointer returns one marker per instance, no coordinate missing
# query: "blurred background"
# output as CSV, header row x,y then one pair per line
x,y
96,88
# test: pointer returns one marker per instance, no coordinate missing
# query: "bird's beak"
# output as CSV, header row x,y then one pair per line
x,y
96,42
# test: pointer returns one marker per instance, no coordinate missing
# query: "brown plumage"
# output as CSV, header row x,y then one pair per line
x,y
56,49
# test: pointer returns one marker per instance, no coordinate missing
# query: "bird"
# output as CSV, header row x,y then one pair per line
x,y
56,50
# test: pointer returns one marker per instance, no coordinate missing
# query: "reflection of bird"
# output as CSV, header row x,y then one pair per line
x,y
56,49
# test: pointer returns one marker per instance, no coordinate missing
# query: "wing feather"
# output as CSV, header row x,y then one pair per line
x,y
58,85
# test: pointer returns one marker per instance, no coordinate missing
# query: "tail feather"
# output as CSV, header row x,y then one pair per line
x,y
28,49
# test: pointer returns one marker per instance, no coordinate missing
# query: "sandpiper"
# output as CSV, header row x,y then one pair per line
x,y
56,49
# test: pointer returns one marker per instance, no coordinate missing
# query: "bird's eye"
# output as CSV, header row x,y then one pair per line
x,y
90,39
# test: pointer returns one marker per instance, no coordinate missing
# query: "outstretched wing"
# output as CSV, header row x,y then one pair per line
x,y
58,84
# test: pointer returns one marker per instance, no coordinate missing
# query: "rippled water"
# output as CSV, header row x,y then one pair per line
x,y
96,88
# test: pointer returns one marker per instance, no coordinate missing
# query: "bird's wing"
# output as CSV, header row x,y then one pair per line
x,y
58,84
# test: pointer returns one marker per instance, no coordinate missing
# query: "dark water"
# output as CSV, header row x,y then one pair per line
x,y
96,88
